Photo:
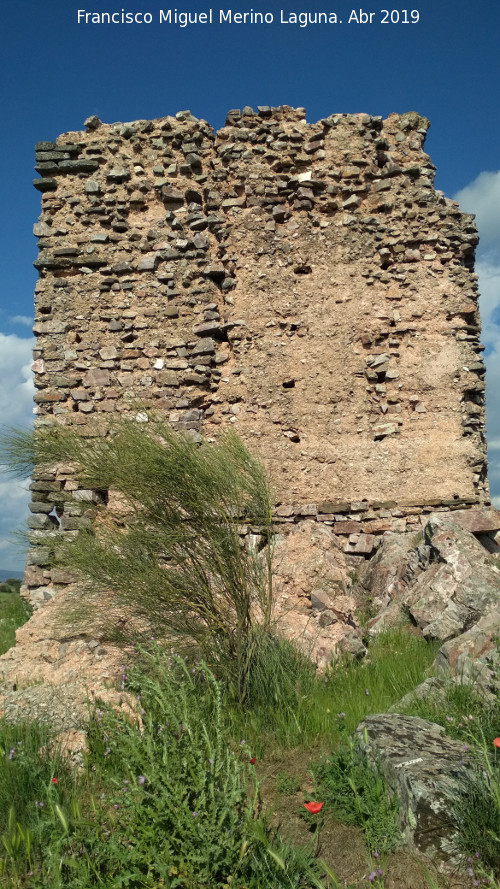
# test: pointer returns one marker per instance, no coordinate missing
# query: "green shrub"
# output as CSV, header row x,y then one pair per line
x,y
173,559
178,789
281,687
10,585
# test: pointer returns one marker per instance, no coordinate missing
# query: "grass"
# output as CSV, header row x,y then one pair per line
x,y
173,799
178,797
166,800
476,809
288,705
14,612
189,796
464,710
356,794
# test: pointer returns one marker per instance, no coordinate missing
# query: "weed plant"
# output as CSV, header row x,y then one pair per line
x,y
28,762
35,781
286,783
476,812
178,789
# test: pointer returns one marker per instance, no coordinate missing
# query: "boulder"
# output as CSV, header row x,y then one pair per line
x,y
393,567
478,521
473,655
423,767
445,579
460,585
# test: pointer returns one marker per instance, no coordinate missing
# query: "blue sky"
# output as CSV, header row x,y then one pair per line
x,y
56,72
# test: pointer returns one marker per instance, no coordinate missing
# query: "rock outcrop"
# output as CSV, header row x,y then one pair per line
x,y
446,581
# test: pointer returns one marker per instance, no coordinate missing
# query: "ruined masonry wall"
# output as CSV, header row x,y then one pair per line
x,y
303,282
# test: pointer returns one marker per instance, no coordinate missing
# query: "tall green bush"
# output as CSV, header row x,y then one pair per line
x,y
172,562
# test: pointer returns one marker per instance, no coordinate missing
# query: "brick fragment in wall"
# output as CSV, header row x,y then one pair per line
x,y
304,283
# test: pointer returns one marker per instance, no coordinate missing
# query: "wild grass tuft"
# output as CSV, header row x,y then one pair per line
x,y
28,762
464,710
476,812
290,705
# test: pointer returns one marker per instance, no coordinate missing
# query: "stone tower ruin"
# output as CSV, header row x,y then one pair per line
x,y
303,282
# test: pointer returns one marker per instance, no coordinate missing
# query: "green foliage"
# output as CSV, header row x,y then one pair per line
x,y
289,704
105,828
177,787
286,783
10,585
28,762
164,802
14,612
281,687
464,710
396,663
356,794
172,561
273,861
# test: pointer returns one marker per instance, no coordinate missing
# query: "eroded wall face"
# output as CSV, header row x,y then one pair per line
x,y
302,282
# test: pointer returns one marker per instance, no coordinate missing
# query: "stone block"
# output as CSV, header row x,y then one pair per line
x,y
423,768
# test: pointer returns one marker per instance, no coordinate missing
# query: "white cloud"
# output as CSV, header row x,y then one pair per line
x,y
22,319
16,384
489,286
16,409
482,197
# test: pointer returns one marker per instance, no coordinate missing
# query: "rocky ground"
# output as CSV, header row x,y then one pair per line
x,y
445,580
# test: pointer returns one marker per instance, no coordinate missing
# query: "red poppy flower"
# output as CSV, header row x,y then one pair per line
x,y
252,761
313,808
54,781
496,742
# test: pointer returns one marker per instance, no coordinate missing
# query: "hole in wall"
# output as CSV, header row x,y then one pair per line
x,y
54,515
